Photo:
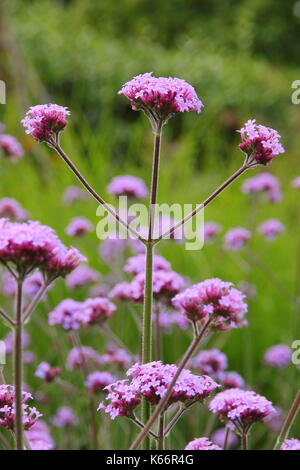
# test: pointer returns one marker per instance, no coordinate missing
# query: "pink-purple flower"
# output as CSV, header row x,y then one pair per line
x,y
210,362
296,183
10,147
39,437
231,379
78,227
97,381
128,185
279,356
214,299
260,143
291,444
73,194
11,209
202,443
46,372
161,98
236,238
81,276
211,230
45,121
30,415
265,183
270,229
219,436
136,264
64,416
80,356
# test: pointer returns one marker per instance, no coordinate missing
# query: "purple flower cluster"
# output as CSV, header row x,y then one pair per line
x,y
10,147
30,415
231,379
82,355
260,143
39,437
291,444
116,356
236,238
219,436
73,194
241,407
81,276
97,381
216,299
64,417
127,185
45,121
46,372
78,227
150,381
72,315
263,183
11,209
279,356
210,362
270,229
202,443
29,245
296,183
211,230
161,97
136,264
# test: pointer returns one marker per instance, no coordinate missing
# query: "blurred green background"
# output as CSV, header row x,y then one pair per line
x,y
241,57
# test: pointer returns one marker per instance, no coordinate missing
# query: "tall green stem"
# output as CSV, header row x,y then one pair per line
x,y
288,422
244,441
148,295
18,368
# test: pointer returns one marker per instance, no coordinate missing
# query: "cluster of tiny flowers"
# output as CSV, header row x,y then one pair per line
x,y
46,372
150,381
45,121
127,185
231,379
81,276
291,444
10,147
279,356
136,264
263,183
216,299
97,381
71,315
73,194
116,356
30,415
80,356
210,231
242,407
202,443
78,227
270,229
236,238
11,209
9,341
163,97
30,245
167,319
210,362
64,417
260,143
39,437
31,286
219,436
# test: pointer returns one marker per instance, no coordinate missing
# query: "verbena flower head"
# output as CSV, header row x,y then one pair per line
x,y
211,230
165,285
30,415
79,356
291,444
167,319
10,147
202,443
270,229
136,264
150,381
263,183
116,356
46,372
66,314
9,341
45,121
260,143
39,437
218,438
78,227
161,98
81,276
236,238
241,407
11,209
216,299
64,416
26,246
73,194
296,183
210,362
127,185
95,310
231,379
279,356
97,381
